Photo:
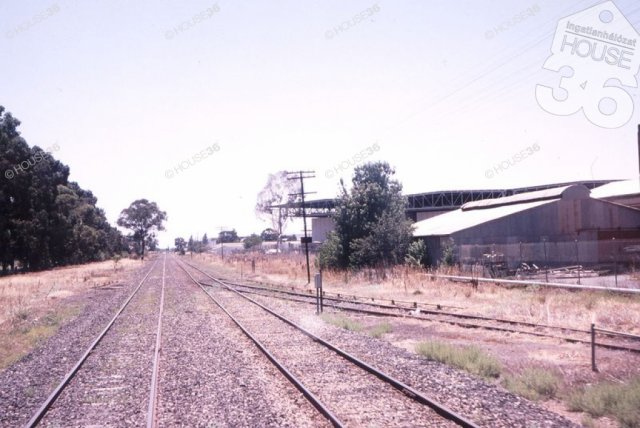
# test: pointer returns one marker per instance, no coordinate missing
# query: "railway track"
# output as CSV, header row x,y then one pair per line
x,y
344,388
367,306
104,383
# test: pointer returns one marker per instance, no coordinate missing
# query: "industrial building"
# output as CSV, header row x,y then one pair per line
x,y
585,223
420,206
558,226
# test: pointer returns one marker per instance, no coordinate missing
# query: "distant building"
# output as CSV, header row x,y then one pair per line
x,y
558,226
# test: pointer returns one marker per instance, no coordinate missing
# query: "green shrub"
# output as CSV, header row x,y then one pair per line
x,y
534,384
381,329
330,253
469,358
449,253
252,241
417,254
619,401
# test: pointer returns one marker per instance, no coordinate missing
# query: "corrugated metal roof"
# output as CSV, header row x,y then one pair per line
x,y
455,221
547,194
617,188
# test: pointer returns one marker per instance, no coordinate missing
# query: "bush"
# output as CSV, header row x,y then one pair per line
x,y
534,384
330,252
417,254
449,253
469,358
371,227
619,401
252,241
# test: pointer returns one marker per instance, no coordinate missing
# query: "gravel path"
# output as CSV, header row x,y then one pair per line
x,y
28,382
486,404
212,375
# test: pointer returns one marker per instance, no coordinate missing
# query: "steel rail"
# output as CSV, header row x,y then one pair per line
x,y
410,392
339,297
617,333
425,311
466,324
315,401
538,283
153,394
37,417
356,299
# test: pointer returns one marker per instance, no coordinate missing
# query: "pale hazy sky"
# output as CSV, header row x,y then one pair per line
x,y
445,91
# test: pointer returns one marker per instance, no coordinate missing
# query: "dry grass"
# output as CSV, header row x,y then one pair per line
x,y
19,294
33,306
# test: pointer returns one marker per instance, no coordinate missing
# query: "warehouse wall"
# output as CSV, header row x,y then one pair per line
x,y
320,227
520,236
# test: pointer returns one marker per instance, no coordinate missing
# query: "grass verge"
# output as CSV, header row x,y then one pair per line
x,y
342,322
25,335
469,358
621,401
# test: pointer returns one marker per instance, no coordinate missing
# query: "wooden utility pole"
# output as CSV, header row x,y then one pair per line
x,y
301,175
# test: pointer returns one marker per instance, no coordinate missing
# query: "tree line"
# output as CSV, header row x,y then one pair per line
x,y
45,219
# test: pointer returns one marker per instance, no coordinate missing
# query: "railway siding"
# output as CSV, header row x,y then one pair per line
x,y
484,403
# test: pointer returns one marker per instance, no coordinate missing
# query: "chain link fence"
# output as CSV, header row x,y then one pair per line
x,y
565,258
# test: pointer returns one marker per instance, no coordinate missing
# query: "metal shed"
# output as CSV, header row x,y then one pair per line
x,y
557,226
